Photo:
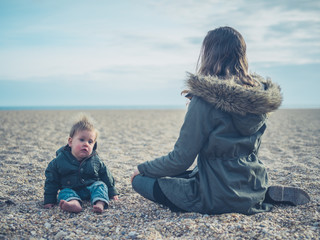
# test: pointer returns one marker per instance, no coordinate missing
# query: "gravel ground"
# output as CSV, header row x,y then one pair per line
x,y
290,150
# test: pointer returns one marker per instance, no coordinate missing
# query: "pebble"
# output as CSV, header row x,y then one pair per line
x,y
132,234
47,225
59,235
129,140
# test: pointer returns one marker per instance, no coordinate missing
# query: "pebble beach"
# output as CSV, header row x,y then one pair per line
x,y
290,151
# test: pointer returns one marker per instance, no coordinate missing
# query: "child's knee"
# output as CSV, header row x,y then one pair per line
x,y
68,194
98,184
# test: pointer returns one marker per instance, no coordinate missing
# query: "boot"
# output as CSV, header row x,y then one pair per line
x,y
289,195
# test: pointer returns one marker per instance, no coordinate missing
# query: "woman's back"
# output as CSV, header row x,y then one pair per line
x,y
224,131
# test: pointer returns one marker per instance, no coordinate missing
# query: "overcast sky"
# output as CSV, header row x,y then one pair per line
x,y
75,52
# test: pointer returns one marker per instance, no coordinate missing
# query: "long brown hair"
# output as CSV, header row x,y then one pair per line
x,y
223,54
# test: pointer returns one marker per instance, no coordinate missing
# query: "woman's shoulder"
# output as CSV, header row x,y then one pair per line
x,y
203,107
199,102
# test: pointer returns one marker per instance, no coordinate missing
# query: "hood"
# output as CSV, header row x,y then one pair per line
x,y
248,106
230,96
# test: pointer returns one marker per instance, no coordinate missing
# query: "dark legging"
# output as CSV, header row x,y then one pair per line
x,y
150,189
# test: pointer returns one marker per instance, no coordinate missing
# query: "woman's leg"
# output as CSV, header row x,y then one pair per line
x,y
144,186
150,189
162,199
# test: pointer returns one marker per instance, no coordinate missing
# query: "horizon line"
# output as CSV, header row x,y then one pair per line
x,y
128,107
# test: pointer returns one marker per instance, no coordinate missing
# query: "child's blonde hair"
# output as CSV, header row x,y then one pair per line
x,y
84,123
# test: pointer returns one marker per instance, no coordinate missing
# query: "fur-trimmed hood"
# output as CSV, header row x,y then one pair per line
x,y
230,96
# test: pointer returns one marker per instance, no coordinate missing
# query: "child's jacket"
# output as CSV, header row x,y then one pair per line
x,y
65,171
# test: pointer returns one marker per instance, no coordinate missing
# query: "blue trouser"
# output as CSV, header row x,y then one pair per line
x,y
97,191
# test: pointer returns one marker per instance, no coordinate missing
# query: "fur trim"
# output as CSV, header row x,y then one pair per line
x,y
230,96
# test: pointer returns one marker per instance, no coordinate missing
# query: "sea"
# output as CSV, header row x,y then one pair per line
x,y
127,107
122,107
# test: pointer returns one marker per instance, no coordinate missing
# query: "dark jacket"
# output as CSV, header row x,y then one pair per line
x,y
223,129
65,171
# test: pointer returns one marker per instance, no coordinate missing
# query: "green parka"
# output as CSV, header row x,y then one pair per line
x,y
223,129
65,171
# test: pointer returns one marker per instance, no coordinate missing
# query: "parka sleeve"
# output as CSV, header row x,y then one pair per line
x,y
193,135
108,179
52,183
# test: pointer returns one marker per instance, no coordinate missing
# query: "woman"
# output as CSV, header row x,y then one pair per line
x,y
223,126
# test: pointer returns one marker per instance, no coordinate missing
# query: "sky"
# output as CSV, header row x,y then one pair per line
x,y
129,53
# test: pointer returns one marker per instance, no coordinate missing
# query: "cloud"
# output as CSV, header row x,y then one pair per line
x,y
137,52
145,40
275,32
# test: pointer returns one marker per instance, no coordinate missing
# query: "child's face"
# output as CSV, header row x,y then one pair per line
x,y
82,144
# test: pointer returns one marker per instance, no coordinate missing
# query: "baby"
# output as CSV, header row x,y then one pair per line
x,y
78,173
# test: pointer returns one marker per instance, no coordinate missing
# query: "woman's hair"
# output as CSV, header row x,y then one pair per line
x,y
223,54
84,123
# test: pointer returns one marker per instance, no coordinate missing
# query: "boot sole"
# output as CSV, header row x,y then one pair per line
x,y
292,195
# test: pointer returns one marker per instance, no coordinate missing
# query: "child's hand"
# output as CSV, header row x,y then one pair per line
x,y
49,205
116,197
